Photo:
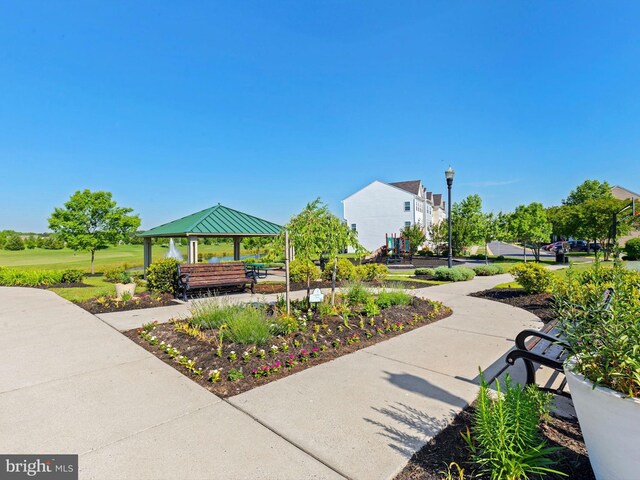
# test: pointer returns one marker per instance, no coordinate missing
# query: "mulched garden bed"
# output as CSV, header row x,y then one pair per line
x,y
265,288
431,461
110,304
324,340
540,304
66,285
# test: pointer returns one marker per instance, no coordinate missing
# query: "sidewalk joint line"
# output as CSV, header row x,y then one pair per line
x,y
287,440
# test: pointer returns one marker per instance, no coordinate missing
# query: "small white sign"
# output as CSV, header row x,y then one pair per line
x,y
316,296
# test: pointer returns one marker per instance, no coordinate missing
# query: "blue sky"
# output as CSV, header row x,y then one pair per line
x,y
263,106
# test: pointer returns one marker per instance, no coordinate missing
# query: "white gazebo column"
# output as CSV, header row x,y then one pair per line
x,y
147,254
192,256
236,248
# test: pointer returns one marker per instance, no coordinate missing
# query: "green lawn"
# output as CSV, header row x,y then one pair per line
x,y
121,255
98,288
561,274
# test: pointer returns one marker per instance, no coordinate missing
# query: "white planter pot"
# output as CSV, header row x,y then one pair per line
x,y
122,288
610,424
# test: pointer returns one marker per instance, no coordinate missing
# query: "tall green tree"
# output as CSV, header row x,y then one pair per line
x,y
315,231
416,235
589,190
467,223
92,221
529,224
438,236
337,238
595,222
564,220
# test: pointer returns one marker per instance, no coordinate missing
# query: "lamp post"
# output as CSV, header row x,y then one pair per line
x,y
448,174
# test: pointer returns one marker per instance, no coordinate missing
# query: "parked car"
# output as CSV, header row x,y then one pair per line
x,y
595,247
579,245
552,247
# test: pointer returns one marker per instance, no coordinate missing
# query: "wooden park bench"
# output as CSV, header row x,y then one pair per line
x,y
200,276
546,347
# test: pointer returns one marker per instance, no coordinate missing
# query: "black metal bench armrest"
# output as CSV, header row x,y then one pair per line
x,y
183,280
513,355
252,274
521,339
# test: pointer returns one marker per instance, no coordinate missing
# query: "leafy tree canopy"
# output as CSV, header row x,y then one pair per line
x,y
467,223
529,224
588,190
416,236
91,221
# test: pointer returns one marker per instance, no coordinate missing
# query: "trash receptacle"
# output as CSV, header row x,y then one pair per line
x,y
560,256
566,259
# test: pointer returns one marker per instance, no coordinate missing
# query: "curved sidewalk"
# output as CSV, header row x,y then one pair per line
x,y
72,384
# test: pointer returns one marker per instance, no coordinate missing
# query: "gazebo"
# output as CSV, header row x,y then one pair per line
x,y
218,221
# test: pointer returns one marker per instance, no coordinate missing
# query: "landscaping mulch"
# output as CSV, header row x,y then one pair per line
x,y
266,288
431,462
66,285
110,304
540,304
392,321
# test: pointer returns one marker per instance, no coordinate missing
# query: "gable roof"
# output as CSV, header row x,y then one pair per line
x,y
631,194
437,199
216,221
411,186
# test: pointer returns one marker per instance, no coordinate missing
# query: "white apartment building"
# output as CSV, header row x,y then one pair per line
x,y
381,209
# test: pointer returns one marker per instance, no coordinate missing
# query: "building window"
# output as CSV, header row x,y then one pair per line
x,y
407,206
407,224
353,227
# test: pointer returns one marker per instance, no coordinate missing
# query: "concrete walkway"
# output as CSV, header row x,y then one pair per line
x,y
70,383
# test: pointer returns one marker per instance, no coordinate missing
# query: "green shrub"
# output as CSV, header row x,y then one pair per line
x,y
370,308
249,326
345,270
427,272
632,248
488,270
12,277
50,242
71,276
454,274
388,299
246,324
162,276
603,341
370,272
211,314
533,277
477,256
356,293
113,274
14,243
299,269
505,436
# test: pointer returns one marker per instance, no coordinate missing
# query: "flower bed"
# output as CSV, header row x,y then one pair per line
x,y
111,304
223,361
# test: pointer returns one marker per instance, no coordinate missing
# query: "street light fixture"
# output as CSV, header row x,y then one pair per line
x,y
448,174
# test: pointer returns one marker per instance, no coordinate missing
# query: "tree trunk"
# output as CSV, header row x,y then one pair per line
x,y
93,254
486,255
333,281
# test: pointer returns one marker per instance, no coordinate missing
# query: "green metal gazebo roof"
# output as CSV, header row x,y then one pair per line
x,y
216,221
